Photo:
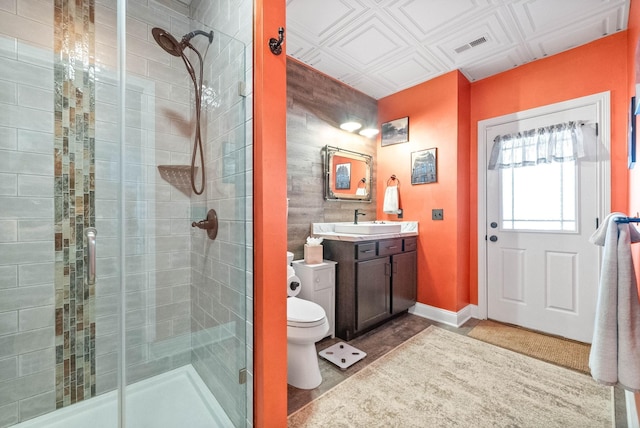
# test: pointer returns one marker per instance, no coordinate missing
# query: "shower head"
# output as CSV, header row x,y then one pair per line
x,y
171,44
167,41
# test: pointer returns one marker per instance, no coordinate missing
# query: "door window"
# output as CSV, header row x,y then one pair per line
x,y
540,197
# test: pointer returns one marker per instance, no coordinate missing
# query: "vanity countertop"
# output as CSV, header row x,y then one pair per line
x,y
327,231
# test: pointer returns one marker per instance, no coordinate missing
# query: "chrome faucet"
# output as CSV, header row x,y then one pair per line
x,y
355,216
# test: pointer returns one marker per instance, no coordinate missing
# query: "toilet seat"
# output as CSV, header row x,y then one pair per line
x,y
304,314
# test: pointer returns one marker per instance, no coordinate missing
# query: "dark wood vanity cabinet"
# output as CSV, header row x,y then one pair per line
x,y
375,280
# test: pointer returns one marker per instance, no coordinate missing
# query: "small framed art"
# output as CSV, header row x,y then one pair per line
x,y
424,166
395,131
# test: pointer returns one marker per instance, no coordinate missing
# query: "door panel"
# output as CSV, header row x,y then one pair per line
x,y
512,267
562,287
542,273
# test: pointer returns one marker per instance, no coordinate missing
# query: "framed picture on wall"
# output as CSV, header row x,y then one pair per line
x,y
343,176
395,131
424,166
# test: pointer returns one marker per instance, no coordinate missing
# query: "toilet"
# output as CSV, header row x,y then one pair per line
x,y
306,324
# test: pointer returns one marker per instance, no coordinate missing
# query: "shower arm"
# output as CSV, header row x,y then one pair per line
x,y
191,35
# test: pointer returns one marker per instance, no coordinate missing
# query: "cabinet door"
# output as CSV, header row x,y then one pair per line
x,y
372,292
403,281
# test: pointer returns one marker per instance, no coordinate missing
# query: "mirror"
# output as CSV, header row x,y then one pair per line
x,y
347,175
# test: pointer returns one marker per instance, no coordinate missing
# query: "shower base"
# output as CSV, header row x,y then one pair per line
x,y
178,398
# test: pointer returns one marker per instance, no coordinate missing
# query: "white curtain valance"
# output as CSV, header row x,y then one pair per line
x,y
555,143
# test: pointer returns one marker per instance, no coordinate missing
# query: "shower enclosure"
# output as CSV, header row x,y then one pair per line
x,y
114,310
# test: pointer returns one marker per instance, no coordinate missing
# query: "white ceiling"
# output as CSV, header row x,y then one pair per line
x,y
383,46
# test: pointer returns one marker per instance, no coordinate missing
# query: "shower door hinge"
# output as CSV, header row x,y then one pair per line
x,y
242,89
242,376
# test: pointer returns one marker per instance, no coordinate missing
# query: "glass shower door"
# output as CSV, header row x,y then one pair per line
x,y
185,294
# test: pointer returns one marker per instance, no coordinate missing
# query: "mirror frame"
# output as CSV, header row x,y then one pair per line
x,y
329,194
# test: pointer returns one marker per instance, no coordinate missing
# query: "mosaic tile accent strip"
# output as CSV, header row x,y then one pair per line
x,y
74,196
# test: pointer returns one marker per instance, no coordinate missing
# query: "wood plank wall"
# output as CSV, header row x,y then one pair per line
x,y
316,105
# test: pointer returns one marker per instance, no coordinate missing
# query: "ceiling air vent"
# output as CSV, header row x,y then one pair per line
x,y
471,44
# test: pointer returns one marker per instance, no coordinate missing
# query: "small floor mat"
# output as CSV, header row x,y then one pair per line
x,y
552,349
342,355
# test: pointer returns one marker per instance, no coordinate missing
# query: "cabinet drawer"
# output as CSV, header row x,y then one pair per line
x,y
410,244
366,251
389,246
323,278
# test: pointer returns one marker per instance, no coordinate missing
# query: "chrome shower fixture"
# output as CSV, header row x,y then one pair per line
x,y
171,45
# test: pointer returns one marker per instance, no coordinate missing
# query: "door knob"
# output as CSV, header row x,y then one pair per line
x,y
493,238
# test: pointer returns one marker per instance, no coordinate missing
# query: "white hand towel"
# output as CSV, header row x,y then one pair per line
x,y
615,351
391,205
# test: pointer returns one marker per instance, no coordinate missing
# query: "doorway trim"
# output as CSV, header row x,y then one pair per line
x,y
602,101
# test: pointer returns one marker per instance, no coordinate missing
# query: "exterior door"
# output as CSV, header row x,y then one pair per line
x,y
542,272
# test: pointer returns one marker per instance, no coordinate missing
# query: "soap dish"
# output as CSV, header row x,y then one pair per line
x,y
342,355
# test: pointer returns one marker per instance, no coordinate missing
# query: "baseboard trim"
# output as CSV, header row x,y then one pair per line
x,y
632,410
455,319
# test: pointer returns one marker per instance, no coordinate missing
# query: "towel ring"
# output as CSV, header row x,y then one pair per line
x,y
392,179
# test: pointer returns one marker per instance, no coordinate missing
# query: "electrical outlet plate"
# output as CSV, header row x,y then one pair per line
x,y
437,214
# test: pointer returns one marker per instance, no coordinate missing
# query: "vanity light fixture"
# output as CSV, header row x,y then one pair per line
x,y
369,132
350,126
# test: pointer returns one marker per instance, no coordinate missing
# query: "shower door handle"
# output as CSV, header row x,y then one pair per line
x,y
90,233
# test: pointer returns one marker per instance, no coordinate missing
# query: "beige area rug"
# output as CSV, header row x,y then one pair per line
x,y
556,350
443,379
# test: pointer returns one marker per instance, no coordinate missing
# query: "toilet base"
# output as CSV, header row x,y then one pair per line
x,y
303,370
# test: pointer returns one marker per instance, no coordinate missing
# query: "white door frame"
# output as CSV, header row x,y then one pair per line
x,y
603,103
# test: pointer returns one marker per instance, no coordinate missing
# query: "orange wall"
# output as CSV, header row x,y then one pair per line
x,y
444,113
464,197
270,224
596,67
434,109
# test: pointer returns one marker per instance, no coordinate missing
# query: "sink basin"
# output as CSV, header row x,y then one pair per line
x,y
367,228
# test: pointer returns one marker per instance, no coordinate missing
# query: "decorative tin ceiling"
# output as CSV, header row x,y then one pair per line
x,y
383,46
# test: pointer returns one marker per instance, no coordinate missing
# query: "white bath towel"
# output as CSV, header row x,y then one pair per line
x,y
615,350
391,204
